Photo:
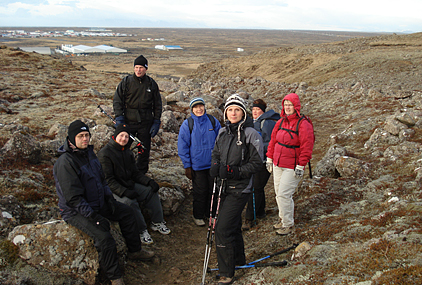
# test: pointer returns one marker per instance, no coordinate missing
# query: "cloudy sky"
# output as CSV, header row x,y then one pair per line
x,y
357,15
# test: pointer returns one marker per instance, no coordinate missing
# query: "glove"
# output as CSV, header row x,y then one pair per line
x,y
299,171
188,173
269,165
223,171
233,172
131,194
154,185
215,168
119,120
110,202
100,221
154,128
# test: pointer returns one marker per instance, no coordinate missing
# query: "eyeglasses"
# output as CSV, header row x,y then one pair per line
x,y
288,105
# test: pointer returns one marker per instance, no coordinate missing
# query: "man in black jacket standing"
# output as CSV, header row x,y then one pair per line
x,y
137,102
86,202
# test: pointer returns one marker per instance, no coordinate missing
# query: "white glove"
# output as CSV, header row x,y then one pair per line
x,y
269,165
299,171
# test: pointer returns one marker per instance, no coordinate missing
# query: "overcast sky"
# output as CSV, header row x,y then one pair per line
x,y
357,15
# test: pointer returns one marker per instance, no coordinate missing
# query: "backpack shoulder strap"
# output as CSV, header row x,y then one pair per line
x,y
191,122
212,119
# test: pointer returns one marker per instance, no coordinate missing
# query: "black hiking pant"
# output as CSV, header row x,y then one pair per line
x,y
260,180
141,131
104,241
202,184
228,233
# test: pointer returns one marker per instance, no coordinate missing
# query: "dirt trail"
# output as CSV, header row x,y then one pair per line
x,y
182,252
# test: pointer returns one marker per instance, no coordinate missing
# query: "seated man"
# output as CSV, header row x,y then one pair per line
x,y
129,185
86,202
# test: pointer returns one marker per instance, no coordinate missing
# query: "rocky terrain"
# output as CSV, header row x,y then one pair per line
x,y
358,219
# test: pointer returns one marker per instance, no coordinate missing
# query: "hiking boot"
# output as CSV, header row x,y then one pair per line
x,y
247,225
261,216
145,237
285,230
225,280
160,227
199,222
279,225
142,255
117,282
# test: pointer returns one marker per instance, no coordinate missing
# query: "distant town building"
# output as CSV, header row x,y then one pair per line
x,y
164,47
40,50
83,49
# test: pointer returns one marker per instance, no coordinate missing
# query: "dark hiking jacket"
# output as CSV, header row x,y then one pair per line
x,y
80,182
142,100
119,167
264,125
248,156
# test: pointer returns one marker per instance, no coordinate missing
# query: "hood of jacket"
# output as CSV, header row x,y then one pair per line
x,y
294,98
270,114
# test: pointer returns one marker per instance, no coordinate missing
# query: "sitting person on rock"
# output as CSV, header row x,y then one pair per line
x,y
129,185
86,202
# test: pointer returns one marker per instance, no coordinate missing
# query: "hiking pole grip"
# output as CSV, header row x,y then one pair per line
x,y
139,143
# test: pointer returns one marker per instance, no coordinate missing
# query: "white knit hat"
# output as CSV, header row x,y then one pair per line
x,y
238,101
235,99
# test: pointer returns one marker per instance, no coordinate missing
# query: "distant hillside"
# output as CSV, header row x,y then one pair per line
x,y
397,58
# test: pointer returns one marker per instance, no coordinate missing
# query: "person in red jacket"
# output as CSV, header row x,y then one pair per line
x,y
287,155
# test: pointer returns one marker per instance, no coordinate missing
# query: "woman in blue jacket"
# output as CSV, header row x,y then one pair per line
x,y
195,144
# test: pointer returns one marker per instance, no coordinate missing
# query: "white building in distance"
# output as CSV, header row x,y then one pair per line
x,y
164,47
83,49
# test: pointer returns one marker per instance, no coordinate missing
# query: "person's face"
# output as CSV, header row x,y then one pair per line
x,y
256,112
82,140
198,110
234,114
139,70
122,138
288,107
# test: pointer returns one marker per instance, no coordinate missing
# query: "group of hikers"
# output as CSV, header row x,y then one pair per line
x,y
229,167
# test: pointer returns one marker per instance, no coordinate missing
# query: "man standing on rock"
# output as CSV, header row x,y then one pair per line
x,y
137,103
86,202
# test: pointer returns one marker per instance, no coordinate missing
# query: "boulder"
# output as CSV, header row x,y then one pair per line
x,y
351,167
326,166
22,146
60,248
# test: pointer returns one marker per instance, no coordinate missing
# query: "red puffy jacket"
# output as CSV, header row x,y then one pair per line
x,y
289,157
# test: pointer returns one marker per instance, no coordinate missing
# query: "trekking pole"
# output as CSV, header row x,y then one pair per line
x,y
139,144
277,263
254,210
261,259
211,224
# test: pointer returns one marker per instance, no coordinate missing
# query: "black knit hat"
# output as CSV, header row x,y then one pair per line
x,y
75,128
141,60
120,128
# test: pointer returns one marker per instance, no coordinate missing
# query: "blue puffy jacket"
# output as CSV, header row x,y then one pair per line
x,y
195,148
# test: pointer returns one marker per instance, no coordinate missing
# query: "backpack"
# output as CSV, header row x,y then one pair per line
x,y
297,133
191,121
